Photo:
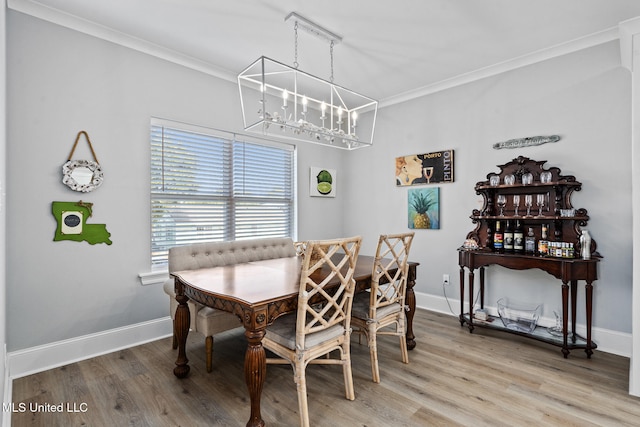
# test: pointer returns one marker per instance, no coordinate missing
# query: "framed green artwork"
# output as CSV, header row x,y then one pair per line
x,y
424,208
322,182
72,223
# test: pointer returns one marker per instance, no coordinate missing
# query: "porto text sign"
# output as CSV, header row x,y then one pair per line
x,y
429,168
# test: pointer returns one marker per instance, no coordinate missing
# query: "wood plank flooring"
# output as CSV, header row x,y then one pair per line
x,y
454,378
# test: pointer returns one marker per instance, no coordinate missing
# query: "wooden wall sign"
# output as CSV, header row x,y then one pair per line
x,y
72,223
526,142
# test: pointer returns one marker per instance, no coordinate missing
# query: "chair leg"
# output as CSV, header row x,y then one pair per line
x,y
301,386
373,352
348,375
403,349
208,341
400,328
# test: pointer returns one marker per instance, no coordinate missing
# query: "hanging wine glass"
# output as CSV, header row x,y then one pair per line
x,y
540,203
528,202
502,201
516,203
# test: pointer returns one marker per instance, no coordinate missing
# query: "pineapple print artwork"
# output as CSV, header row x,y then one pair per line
x,y
424,208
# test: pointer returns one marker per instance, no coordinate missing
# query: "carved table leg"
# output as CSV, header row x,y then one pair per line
x,y
410,301
181,325
255,362
565,298
589,298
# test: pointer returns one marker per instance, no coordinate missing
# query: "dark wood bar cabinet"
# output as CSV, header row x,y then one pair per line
x,y
523,176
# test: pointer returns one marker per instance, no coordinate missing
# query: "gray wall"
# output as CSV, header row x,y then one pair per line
x,y
585,98
61,81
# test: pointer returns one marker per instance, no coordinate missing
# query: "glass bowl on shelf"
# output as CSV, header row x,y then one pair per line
x,y
519,316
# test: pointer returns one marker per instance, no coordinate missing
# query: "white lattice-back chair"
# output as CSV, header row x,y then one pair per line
x,y
322,321
382,311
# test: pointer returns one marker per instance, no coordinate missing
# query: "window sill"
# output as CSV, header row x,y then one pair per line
x,y
154,277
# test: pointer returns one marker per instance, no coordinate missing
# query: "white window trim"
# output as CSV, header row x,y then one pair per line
x,y
159,274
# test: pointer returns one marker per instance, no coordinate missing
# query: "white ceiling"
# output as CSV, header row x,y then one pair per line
x,y
388,48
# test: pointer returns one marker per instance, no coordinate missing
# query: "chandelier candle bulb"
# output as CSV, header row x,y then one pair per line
x,y
304,104
339,121
285,96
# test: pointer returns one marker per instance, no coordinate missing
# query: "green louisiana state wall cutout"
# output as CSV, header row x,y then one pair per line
x,y
72,223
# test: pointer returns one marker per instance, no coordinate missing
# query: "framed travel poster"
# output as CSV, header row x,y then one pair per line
x,y
430,168
322,182
424,208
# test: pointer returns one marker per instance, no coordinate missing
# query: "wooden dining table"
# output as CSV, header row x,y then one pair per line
x,y
258,292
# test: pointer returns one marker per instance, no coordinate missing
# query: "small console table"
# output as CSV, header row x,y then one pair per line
x,y
523,178
567,270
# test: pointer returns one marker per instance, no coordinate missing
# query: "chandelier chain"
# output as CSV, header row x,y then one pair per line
x,y
295,59
331,54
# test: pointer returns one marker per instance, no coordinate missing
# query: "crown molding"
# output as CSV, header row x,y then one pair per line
x,y
575,45
628,29
55,16
38,10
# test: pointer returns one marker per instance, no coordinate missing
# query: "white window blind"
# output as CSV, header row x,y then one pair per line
x,y
208,185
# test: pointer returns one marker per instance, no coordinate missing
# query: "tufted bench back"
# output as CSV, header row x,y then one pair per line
x,y
216,254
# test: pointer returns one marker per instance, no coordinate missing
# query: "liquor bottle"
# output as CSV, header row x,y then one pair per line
x,y
518,238
498,239
508,238
558,251
530,243
543,243
572,251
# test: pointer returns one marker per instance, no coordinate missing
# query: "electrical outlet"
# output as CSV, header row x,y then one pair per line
x,y
445,279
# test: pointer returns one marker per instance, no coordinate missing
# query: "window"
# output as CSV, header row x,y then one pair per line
x,y
208,185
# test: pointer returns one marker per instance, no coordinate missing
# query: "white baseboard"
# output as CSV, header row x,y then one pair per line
x,y
49,356
41,358
608,341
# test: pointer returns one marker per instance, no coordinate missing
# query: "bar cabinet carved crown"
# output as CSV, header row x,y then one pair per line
x,y
521,177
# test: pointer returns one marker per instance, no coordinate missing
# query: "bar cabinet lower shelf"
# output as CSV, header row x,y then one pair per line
x,y
540,333
569,271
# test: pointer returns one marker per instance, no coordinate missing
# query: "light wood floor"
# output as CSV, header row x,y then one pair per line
x,y
454,378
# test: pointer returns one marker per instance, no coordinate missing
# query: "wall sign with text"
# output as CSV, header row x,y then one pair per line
x,y
430,168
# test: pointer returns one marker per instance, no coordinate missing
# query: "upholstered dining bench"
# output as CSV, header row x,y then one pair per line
x,y
206,320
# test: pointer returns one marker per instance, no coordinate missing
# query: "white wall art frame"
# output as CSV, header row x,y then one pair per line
x,y
322,182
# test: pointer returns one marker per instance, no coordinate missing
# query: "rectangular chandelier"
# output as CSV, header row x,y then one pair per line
x,y
283,101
